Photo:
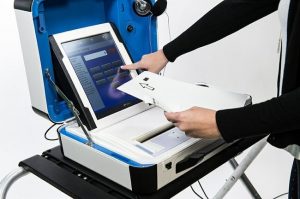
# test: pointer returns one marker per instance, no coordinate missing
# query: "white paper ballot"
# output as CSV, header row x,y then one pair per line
x,y
174,96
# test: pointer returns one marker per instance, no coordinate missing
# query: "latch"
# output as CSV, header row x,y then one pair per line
x,y
41,18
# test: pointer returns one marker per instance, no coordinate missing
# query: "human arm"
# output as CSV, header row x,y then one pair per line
x,y
278,115
226,18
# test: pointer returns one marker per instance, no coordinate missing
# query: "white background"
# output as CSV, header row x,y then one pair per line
x,y
245,62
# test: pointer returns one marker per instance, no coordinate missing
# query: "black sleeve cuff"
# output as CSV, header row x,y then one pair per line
x,y
225,125
170,52
240,123
277,115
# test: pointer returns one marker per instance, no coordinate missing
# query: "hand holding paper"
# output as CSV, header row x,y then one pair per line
x,y
175,96
196,122
183,102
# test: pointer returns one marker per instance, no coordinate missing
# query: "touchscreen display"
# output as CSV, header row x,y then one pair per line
x,y
96,61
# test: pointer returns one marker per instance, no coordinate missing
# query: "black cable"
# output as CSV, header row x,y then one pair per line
x,y
196,192
45,134
202,189
280,195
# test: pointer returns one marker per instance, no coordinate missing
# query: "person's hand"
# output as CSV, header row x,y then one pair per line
x,y
196,122
153,62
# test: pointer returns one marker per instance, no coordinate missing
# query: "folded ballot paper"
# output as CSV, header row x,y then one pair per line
x,y
174,96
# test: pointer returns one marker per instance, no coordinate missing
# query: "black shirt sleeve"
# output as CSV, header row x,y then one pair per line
x,y
226,18
278,115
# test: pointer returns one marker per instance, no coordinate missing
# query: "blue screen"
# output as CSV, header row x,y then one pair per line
x,y
96,61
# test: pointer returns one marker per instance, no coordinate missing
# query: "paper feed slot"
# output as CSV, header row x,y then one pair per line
x,y
163,141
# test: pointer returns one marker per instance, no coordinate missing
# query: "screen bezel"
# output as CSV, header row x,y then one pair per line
x,y
115,109
90,32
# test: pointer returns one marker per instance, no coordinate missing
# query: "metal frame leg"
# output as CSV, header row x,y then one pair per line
x,y
257,148
246,181
9,180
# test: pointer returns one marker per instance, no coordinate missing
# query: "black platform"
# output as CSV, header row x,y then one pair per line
x,y
80,182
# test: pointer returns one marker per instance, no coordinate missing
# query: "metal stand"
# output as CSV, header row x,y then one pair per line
x,y
240,170
80,182
9,180
246,181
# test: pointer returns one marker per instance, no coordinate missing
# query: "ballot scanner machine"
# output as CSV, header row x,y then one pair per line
x,y
73,51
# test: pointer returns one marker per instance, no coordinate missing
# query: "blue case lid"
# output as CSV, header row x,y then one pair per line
x,y
56,16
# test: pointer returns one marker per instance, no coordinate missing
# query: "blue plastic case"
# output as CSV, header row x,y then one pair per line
x,y
56,16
